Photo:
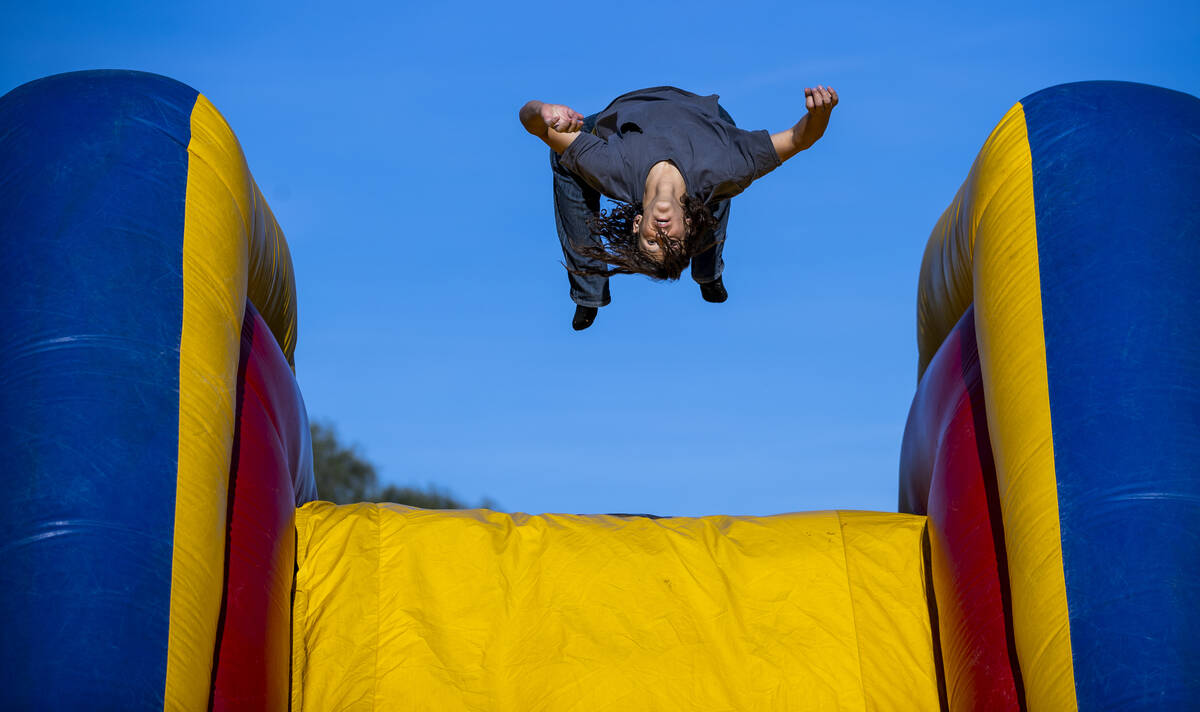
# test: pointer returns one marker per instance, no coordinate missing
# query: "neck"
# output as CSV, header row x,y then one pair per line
x,y
664,182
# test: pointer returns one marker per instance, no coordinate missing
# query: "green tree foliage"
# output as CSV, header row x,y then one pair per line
x,y
344,476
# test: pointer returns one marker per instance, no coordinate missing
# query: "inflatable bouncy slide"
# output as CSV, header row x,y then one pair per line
x,y
163,546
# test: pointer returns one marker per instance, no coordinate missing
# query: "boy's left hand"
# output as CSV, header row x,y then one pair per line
x,y
820,102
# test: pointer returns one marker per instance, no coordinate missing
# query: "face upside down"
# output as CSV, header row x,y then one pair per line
x,y
660,247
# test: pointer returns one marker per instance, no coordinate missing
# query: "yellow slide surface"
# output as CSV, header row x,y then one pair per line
x,y
401,608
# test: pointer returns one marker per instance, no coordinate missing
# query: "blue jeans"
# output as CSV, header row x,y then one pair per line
x,y
575,201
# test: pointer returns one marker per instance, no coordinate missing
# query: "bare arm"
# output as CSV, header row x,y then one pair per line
x,y
819,102
555,124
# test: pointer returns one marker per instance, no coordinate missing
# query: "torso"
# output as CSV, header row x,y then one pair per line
x,y
649,127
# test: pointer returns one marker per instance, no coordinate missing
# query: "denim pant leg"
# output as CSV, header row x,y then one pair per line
x,y
574,202
708,265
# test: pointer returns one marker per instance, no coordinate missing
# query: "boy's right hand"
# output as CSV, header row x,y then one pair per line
x,y
562,119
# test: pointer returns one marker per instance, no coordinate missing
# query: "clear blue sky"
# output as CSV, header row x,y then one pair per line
x,y
434,319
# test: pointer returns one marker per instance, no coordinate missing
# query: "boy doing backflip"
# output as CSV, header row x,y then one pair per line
x,y
671,161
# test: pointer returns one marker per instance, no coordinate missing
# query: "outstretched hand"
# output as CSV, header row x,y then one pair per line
x,y
820,102
556,125
562,119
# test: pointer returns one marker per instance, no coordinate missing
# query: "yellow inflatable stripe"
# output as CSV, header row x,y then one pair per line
x,y
216,224
272,282
1012,351
944,288
399,608
947,282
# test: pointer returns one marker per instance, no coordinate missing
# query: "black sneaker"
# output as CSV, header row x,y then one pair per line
x,y
584,316
714,291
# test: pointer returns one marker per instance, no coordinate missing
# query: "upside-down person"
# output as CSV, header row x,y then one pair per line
x,y
670,160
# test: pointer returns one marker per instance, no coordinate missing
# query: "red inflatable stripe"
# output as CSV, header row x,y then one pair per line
x,y
253,655
947,472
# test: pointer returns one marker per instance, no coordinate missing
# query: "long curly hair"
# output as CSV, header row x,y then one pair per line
x,y
619,249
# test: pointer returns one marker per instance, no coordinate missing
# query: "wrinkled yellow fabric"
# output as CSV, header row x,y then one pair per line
x,y
400,608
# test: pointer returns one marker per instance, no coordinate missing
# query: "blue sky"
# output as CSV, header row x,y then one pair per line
x,y
434,319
